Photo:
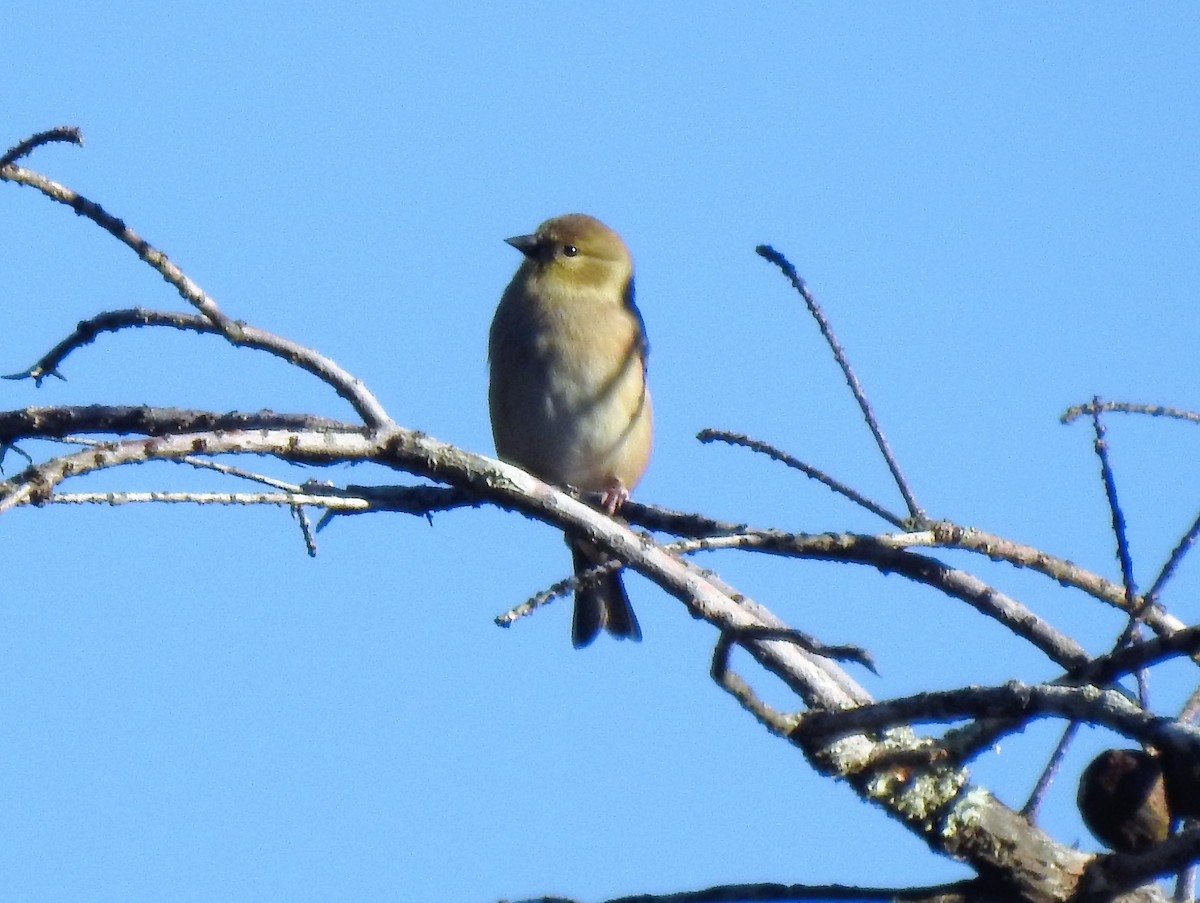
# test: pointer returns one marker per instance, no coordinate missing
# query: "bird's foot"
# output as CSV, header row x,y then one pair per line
x,y
615,495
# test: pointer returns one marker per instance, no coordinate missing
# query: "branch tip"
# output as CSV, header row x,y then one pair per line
x,y
916,513
63,134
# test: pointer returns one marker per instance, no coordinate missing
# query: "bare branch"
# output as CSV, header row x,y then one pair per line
x,y
306,529
962,744
917,780
1168,570
770,451
937,806
881,553
973,891
944,533
876,552
190,291
65,421
492,480
949,535
347,386
769,253
66,134
288,499
1013,700
1118,520
774,721
1140,655
1109,875
1072,414
1049,773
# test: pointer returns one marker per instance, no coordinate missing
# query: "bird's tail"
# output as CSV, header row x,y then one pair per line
x,y
601,603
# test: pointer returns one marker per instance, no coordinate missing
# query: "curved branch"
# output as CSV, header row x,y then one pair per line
x,y
347,386
146,252
885,554
948,535
1011,701
882,553
877,552
70,420
945,534
1074,412
490,480
710,435
962,744
65,134
933,799
1109,875
1139,655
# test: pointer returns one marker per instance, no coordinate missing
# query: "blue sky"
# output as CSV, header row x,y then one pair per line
x,y
998,206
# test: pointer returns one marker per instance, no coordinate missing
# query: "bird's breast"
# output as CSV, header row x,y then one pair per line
x,y
568,395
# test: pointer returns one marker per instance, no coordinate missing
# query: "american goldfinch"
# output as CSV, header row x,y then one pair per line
x,y
568,397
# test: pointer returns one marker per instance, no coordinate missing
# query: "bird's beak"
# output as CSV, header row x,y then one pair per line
x,y
526,244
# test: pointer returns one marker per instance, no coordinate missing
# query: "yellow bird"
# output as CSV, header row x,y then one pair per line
x,y
568,396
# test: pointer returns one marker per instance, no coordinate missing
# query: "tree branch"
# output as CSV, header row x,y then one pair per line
x,y
347,386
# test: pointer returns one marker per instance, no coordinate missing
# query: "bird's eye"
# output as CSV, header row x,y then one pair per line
x,y
570,250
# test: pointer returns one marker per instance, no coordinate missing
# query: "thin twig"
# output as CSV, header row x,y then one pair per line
x,y
1107,669
200,464
537,600
946,534
1168,569
146,252
769,253
365,404
306,530
772,719
288,499
965,743
66,134
558,590
1119,407
711,435
1141,675
230,471
807,642
1118,523
1134,608
63,422
1012,700
958,584
6,447
1038,794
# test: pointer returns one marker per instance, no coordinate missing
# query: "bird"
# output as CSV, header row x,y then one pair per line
x,y
1123,800
567,391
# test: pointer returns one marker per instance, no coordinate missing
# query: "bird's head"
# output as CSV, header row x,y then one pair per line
x,y
576,250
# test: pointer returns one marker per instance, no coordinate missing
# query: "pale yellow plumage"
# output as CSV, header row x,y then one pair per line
x,y
568,395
